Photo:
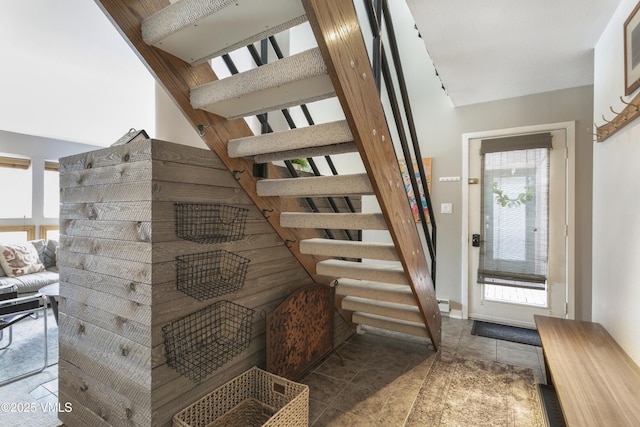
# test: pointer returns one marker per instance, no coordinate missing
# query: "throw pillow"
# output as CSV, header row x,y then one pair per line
x,y
17,260
50,251
39,245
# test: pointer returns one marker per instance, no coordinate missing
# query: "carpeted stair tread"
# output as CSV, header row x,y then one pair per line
x,y
409,313
349,249
403,326
296,139
389,292
388,273
294,80
317,186
336,221
197,30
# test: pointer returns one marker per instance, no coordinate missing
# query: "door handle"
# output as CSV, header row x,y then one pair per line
x,y
475,240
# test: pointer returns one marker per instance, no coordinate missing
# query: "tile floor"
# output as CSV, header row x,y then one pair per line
x,y
379,378
374,380
46,394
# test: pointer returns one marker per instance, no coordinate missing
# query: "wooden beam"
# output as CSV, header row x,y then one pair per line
x,y
337,31
177,78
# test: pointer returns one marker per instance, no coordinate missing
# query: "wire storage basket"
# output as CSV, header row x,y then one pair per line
x,y
252,399
201,342
210,223
207,275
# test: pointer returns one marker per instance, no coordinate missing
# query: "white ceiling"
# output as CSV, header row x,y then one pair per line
x,y
66,73
494,49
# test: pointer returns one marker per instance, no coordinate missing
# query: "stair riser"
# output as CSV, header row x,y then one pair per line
x,y
294,140
407,315
333,221
413,329
331,150
402,296
388,276
347,249
341,185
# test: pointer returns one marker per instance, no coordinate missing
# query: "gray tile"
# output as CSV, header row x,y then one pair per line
x,y
48,401
52,386
375,377
39,392
540,377
518,357
316,409
389,362
486,353
333,417
363,400
339,367
517,346
355,352
478,347
400,402
323,388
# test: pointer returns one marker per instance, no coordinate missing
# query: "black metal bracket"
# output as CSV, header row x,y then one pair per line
x,y
264,213
238,172
288,243
201,129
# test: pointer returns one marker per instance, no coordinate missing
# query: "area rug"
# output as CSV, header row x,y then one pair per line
x,y
465,392
26,351
506,333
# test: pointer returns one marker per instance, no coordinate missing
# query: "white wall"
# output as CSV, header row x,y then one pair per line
x,y
68,74
440,126
616,201
171,125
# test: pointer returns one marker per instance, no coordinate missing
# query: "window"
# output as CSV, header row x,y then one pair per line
x,y
15,173
51,190
515,211
49,232
17,233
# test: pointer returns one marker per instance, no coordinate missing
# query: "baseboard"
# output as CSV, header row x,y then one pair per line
x,y
453,314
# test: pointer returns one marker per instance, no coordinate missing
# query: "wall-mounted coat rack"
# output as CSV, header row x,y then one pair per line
x,y
629,113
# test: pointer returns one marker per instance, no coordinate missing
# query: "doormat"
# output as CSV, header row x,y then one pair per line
x,y
506,333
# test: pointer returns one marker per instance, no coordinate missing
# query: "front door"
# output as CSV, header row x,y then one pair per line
x,y
517,226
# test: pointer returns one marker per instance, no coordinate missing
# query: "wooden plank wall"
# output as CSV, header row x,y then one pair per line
x,y
117,279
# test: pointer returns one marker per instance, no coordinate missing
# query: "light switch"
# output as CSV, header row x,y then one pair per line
x,y
446,208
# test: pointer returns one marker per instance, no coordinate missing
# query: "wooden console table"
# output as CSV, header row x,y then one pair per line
x,y
596,382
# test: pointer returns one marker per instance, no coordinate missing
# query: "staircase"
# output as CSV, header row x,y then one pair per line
x,y
391,288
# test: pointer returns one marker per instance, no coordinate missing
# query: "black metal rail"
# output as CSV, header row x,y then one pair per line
x,y
260,58
378,13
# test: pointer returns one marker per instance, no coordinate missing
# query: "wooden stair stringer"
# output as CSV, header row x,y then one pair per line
x,y
177,78
335,26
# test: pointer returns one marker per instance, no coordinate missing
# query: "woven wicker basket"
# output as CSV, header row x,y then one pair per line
x,y
253,399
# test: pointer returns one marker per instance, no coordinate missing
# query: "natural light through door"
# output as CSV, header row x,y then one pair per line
x,y
517,222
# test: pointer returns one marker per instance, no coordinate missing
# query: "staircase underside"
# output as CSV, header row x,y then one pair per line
x,y
391,288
